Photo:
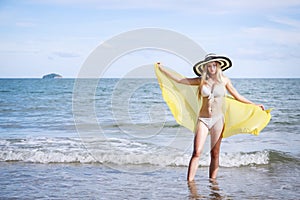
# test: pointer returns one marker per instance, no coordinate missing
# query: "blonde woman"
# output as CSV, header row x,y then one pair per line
x,y
212,89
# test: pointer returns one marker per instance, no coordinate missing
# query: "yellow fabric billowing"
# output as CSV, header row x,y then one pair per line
x,y
184,104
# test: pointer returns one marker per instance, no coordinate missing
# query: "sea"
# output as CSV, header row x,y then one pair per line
x,y
116,139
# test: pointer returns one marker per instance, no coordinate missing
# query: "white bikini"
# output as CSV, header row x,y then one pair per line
x,y
212,93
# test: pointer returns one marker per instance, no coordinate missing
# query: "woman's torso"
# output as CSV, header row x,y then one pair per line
x,y
212,99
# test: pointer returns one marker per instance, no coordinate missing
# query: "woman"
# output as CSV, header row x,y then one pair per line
x,y
212,89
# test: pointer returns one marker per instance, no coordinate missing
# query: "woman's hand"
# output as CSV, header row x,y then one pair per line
x,y
261,106
177,78
159,66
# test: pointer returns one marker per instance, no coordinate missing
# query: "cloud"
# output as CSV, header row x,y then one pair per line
x,y
19,51
258,4
274,35
285,21
109,4
187,5
265,54
62,54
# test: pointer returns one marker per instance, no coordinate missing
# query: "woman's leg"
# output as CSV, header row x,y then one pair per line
x,y
199,140
216,138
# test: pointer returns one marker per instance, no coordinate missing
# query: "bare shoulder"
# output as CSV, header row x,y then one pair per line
x,y
225,79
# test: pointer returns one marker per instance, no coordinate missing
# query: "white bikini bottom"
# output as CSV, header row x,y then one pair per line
x,y
210,122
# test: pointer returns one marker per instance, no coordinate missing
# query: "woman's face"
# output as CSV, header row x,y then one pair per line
x,y
211,67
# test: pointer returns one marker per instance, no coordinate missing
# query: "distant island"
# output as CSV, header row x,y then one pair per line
x,y
52,76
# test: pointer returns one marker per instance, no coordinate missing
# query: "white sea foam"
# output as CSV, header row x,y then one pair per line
x,y
114,151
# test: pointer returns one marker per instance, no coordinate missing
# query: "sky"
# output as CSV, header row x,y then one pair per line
x,y
37,37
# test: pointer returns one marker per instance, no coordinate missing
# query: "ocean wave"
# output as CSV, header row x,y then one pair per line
x,y
122,152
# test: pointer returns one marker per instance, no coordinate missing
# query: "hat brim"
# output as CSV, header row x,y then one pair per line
x,y
225,63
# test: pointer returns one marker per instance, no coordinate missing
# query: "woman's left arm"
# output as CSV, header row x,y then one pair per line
x,y
236,95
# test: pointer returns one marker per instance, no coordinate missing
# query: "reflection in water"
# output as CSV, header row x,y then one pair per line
x,y
214,191
193,190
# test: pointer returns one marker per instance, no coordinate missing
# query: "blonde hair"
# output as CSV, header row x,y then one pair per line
x,y
205,77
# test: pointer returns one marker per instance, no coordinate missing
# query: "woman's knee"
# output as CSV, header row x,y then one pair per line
x,y
196,153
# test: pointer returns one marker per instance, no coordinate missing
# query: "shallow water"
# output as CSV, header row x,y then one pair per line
x,y
122,142
94,181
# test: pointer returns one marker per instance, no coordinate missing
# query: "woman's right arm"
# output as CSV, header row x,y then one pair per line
x,y
186,81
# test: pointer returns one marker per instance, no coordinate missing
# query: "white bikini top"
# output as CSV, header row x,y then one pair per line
x,y
217,90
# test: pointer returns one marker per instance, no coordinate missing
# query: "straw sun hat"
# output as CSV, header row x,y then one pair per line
x,y
225,63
